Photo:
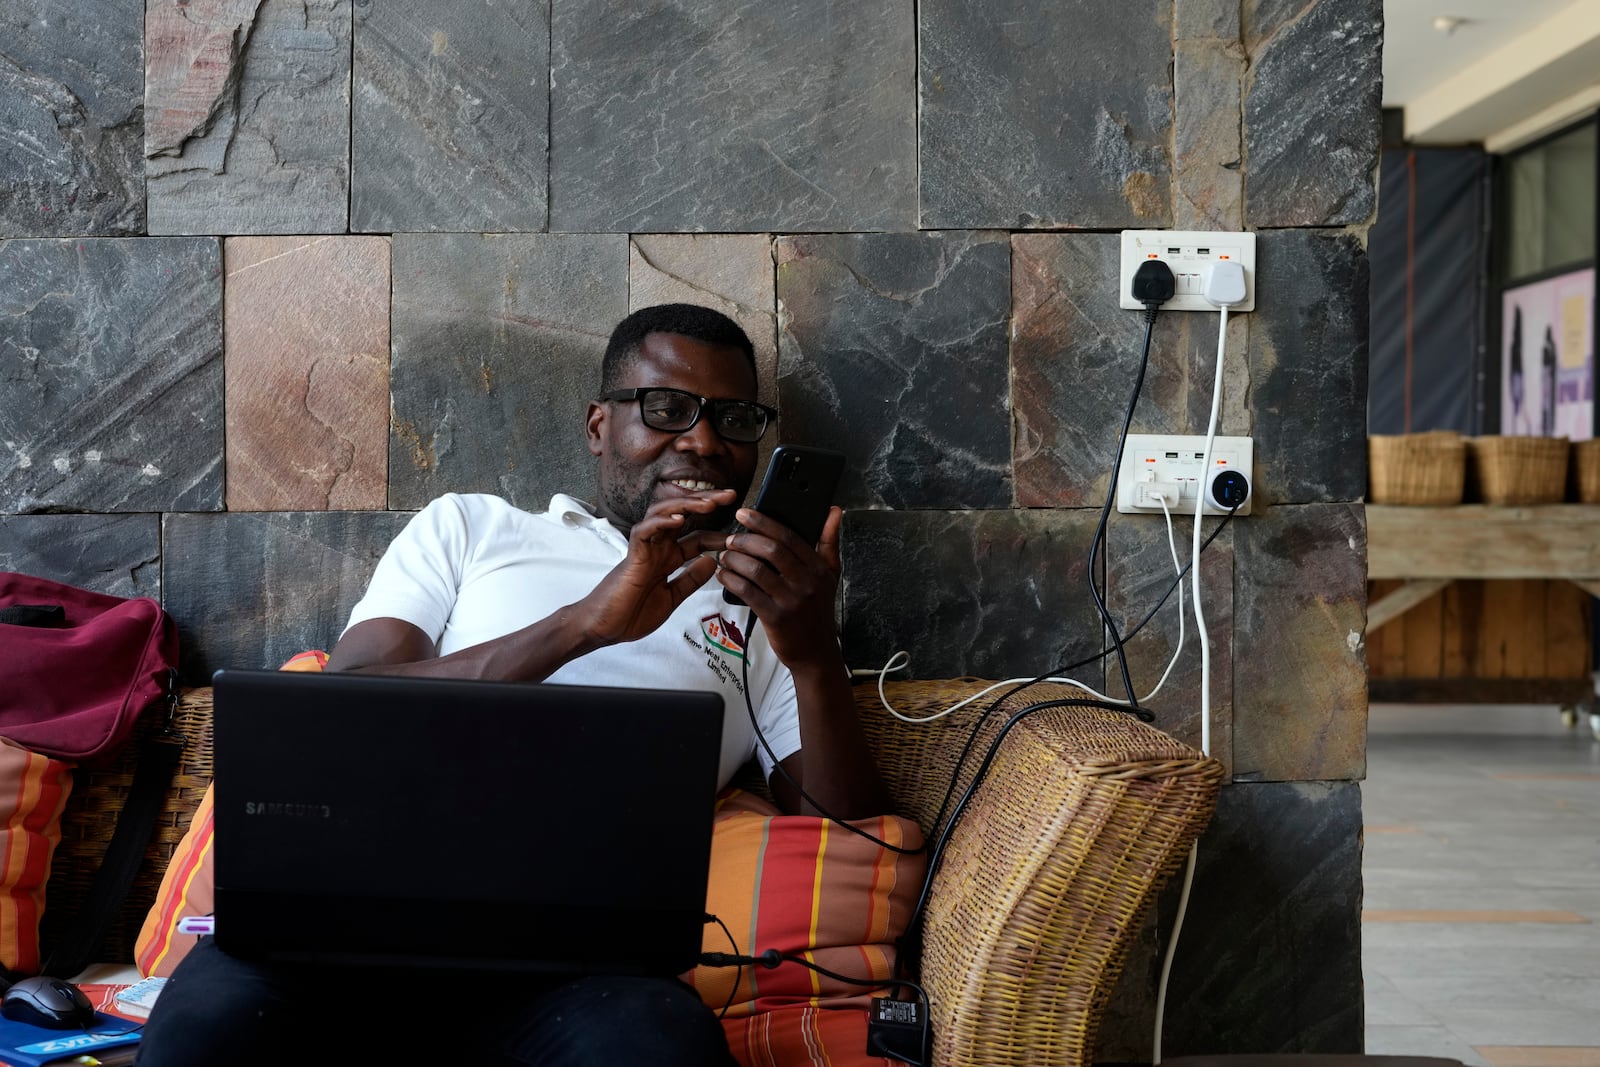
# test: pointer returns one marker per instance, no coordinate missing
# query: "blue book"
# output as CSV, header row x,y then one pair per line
x,y
25,1045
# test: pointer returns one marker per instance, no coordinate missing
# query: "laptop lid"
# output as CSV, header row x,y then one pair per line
x,y
383,821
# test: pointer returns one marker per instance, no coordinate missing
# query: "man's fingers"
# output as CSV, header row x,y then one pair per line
x,y
828,545
696,542
666,517
695,573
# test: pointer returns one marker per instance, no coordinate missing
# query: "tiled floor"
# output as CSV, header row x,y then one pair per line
x,y
1481,927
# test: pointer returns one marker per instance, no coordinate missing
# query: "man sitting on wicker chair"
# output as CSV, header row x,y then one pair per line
x,y
609,594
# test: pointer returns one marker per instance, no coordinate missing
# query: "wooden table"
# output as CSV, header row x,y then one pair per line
x,y
1428,548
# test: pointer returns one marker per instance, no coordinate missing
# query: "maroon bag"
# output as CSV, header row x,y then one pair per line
x,y
78,668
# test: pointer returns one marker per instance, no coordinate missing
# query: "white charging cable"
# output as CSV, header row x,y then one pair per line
x,y
1224,288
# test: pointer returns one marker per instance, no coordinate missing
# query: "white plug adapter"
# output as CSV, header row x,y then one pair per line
x,y
1225,284
1150,494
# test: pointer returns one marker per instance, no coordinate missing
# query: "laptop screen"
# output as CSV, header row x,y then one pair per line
x,y
374,820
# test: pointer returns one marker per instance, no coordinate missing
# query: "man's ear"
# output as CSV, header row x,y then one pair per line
x,y
592,424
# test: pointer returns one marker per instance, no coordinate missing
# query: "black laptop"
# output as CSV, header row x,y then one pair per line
x,y
378,821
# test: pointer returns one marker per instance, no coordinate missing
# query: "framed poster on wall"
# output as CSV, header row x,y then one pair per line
x,y
1547,369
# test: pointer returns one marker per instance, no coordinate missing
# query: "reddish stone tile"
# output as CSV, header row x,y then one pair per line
x,y
306,337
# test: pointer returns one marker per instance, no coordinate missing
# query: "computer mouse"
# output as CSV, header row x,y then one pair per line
x,y
48,1002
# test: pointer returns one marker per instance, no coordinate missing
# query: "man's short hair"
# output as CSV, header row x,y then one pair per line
x,y
690,320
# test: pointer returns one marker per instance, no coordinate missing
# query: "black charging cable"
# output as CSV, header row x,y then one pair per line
x,y
1153,285
738,975
771,959
777,764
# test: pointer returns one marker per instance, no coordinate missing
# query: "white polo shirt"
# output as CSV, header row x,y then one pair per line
x,y
471,567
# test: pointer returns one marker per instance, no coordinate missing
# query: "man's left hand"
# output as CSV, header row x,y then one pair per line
x,y
789,584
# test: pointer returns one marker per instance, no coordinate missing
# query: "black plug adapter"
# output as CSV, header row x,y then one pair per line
x,y
898,1030
1153,284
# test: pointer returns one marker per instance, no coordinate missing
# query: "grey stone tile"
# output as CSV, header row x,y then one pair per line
x,y
1075,359
72,118
893,350
1207,148
119,555
1479,950
1561,1028
252,589
730,273
1016,134
1300,695
1417,1040
992,594
110,362
1311,111
451,116
742,115
496,346
1308,367
247,116
1387,1006
1203,19
1273,919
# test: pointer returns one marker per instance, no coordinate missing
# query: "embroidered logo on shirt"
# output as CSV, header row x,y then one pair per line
x,y
723,635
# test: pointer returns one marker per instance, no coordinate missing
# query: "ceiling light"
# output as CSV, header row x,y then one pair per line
x,y
1447,24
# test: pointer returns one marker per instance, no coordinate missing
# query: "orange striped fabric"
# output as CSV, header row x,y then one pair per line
x,y
806,887
186,885
186,889
314,660
790,1037
33,790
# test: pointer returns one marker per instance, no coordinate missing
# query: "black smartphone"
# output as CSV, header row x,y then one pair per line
x,y
797,490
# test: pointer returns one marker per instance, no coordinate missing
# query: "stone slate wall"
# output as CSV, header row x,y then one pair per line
x,y
273,273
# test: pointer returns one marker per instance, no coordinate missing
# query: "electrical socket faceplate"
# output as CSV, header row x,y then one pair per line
x,y
1164,458
1188,253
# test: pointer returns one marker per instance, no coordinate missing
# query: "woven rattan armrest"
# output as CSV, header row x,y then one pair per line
x,y
1082,817
90,818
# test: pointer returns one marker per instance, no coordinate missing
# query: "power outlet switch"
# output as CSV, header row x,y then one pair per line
x,y
1151,462
1189,253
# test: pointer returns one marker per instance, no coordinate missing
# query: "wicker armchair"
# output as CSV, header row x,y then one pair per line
x,y
1081,819
1083,815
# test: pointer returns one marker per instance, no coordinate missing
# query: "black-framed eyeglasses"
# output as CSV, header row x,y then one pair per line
x,y
675,411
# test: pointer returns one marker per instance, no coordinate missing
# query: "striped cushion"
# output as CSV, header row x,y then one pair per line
x,y
808,887
815,1037
186,886
185,890
33,790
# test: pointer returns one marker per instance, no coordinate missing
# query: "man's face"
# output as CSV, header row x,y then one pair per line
x,y
639,465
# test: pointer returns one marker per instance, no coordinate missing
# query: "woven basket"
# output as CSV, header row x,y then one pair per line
x,y
91,816
1518,470
1425,469
1586,471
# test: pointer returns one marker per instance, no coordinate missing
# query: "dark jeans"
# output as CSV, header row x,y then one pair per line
x,y
218,1009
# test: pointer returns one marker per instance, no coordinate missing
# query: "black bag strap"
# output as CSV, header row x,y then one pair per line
x,y
158,761
34,615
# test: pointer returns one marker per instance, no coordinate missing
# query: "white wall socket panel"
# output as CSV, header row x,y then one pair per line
x,y
1162,459
1189,254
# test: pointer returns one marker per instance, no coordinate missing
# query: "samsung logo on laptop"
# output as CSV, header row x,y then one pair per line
x,y
279,807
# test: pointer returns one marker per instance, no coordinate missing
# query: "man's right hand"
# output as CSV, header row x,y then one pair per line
x,y
641,592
